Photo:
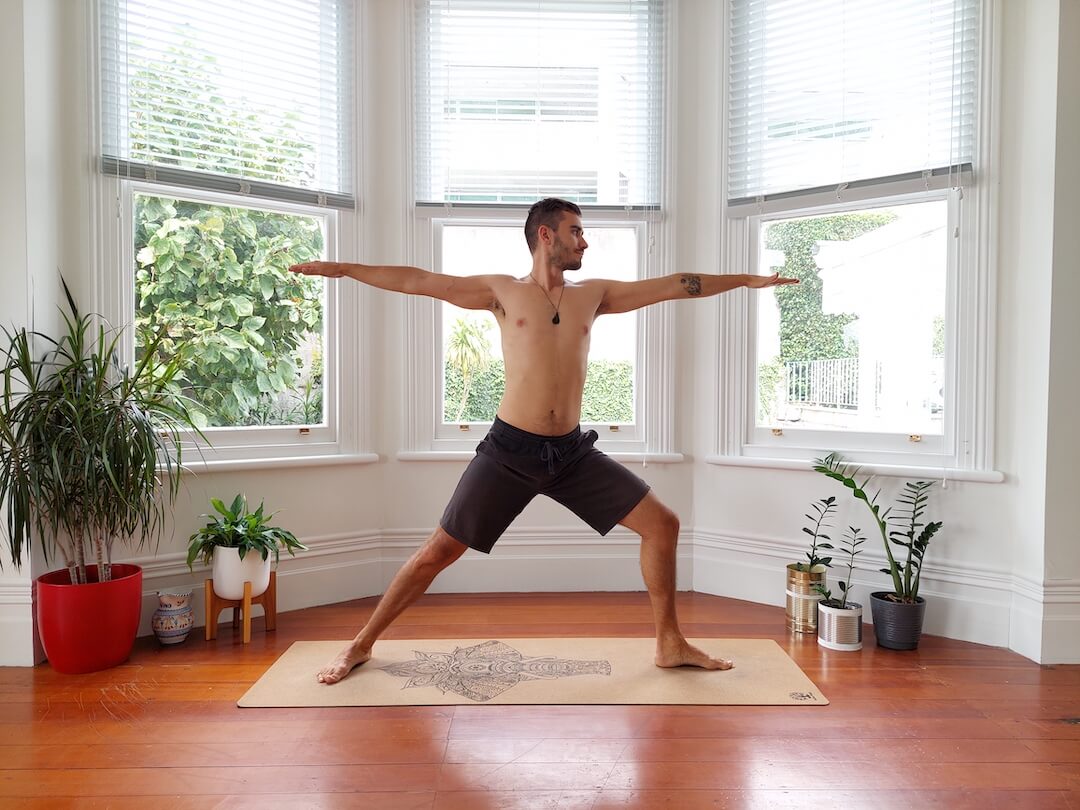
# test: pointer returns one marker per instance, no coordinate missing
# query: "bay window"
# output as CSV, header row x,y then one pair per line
x,y
515,101
857,163
226,156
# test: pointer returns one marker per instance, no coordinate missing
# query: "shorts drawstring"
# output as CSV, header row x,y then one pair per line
x,y
550,453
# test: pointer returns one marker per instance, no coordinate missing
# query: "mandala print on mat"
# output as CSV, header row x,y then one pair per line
x,y
486,670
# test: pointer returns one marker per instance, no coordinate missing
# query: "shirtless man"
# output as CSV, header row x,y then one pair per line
x,y
535,445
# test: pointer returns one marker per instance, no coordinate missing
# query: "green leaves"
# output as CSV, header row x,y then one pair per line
x,y
910,507
216,278
823,509
83,439
236,527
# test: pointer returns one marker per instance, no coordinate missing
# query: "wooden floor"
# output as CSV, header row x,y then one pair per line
x,y
952,725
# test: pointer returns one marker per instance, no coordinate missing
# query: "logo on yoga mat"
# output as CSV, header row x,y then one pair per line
x,y
485,670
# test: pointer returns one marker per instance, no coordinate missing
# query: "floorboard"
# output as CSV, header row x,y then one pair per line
x,y
950,725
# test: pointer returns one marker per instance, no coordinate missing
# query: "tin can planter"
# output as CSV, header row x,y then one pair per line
x,y
840,628
803,598
897,625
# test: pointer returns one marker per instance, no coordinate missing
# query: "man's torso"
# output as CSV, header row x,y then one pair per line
x,y
545,362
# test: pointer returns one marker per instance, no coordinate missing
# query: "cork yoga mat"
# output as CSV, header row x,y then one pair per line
x,y
556,671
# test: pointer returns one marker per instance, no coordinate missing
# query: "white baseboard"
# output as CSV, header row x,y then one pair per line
x,y
965,602
18,643
1039,621
335,568
341,568
551,559
1061,622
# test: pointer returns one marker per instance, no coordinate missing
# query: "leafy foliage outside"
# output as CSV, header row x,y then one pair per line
x,y
807,333
214,277
608,395
216,280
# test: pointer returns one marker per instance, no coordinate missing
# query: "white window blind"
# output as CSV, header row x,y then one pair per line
x,y
825,92
250,97
529,98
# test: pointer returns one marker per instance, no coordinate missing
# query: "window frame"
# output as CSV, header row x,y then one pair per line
x,y
968,453
427,437
965,443
347,433
116,296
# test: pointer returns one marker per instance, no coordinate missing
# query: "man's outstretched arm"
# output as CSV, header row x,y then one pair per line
x,y
624,296
468,292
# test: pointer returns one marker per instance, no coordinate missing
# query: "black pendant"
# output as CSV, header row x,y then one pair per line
x,y
555,320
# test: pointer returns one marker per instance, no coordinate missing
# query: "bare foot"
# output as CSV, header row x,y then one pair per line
x,y
678,653
347,660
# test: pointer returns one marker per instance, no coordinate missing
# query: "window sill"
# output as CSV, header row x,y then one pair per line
x,y
227,465
892,470
466,455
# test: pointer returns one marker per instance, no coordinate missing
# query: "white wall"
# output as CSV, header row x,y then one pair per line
x,y
1062,547
991,575
16,628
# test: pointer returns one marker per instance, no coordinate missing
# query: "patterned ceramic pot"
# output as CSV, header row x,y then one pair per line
x,y
173,619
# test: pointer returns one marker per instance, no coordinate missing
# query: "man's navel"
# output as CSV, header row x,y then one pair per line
x,y
585,330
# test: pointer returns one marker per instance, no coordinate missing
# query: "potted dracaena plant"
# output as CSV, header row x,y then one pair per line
x,y
804,578
237,544
840,619
906,535
90,453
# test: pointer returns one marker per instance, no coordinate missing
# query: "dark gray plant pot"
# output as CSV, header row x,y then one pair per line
x,y
897,626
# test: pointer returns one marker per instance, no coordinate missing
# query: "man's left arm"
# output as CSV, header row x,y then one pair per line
x,y
624,296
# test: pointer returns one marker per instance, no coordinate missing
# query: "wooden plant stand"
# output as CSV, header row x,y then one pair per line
x,y
215,604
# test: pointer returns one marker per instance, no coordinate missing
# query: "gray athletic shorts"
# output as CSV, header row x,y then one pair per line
x,y
511,467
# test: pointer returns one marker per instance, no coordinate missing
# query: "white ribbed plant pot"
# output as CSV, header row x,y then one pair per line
x,y
230,572
840,629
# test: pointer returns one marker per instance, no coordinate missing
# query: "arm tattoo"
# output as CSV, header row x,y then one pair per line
x,y
692,284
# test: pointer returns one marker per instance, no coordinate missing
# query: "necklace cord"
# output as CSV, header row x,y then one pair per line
x,y
554,306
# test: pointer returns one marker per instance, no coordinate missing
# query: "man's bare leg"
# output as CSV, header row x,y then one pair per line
x,y
659,530
408,585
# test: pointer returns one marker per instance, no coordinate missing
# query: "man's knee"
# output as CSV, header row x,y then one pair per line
x,y
668,522
440,550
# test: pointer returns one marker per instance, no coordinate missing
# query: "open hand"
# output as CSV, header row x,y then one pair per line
x,y
775,280
328,269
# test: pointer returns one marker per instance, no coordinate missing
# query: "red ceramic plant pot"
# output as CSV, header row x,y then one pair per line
x,y
85,628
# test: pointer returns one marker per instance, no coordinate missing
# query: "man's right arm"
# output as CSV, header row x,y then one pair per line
x,y
467,292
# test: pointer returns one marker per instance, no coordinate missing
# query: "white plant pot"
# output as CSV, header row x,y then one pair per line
x,y
840,629
230,573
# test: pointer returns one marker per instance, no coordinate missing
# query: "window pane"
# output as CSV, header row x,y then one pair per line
x,y
502,86
471,351
216,278
259,89
841,90
859,344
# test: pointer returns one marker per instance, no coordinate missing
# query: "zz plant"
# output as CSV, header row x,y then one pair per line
x,y
236,527
905,528
850,547
823,510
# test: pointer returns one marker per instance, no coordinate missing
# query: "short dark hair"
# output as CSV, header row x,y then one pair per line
x,y
547,211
